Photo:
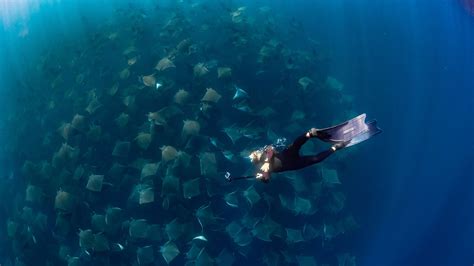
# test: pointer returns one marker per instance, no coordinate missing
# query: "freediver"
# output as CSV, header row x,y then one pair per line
x,y
269,160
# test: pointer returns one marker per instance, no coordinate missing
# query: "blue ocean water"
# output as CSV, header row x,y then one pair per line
x,y
409,64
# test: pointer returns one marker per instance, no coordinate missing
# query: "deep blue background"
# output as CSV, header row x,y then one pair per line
x,y
410,64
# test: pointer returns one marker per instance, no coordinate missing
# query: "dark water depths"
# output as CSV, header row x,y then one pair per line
x,y
413,65
410,65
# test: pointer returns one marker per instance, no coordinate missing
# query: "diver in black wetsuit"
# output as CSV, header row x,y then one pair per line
x,y
271,161
346,134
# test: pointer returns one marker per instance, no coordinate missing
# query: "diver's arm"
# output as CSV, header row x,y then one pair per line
x,y
265,170
264,173
269,158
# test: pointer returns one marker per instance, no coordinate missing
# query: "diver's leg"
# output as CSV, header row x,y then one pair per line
x,y
295,161
305,161
296,145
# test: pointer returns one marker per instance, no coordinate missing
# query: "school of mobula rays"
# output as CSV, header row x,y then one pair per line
x,y
140,119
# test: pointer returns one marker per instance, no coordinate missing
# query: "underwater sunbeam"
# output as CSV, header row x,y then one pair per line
x,y
18,11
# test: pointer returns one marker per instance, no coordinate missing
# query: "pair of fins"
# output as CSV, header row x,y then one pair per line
x,y
353,131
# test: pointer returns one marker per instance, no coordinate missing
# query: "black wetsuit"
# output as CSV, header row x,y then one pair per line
x,y
287,160
290,158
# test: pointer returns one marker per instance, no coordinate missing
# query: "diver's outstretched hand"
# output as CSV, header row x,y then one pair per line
x,y
228,176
